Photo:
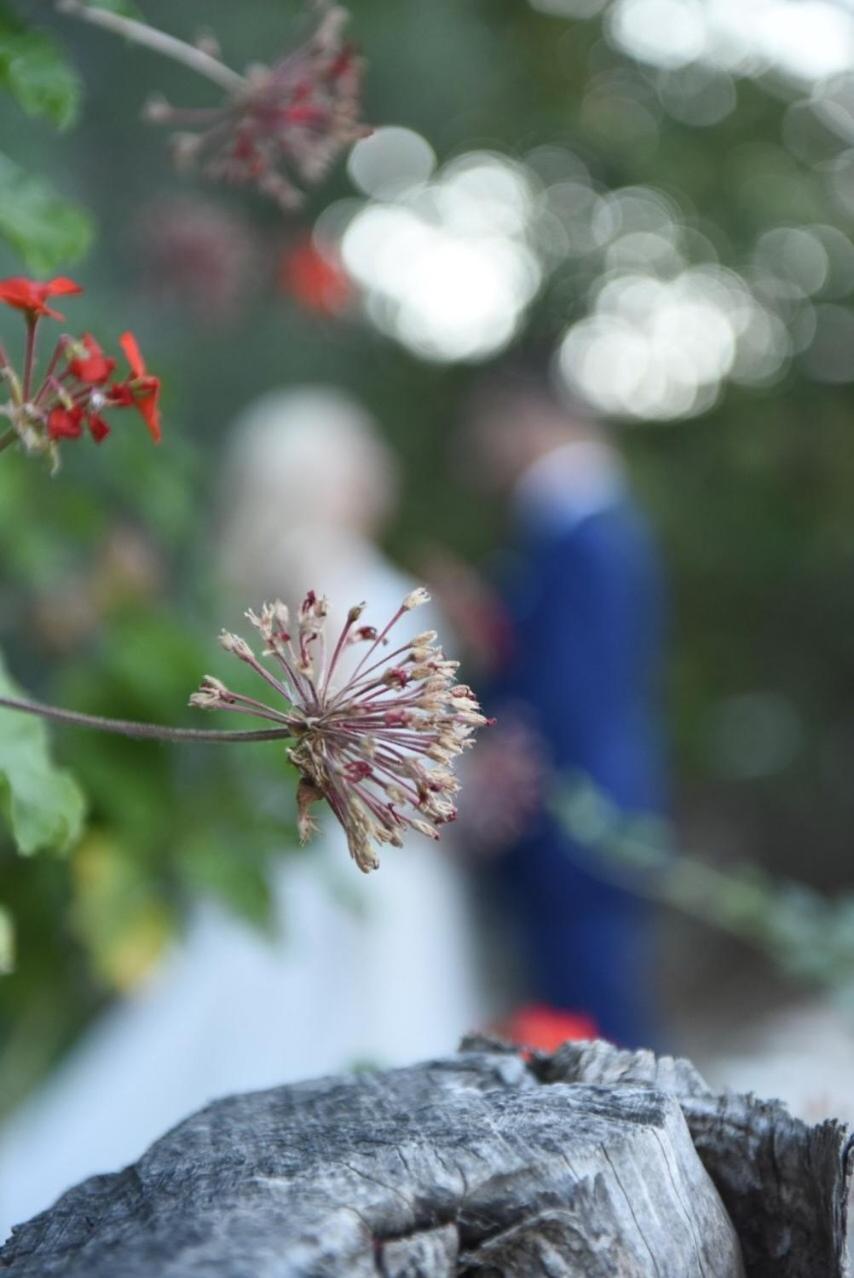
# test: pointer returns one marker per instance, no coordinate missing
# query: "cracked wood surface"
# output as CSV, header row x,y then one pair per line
x,y
785,1184
577,1164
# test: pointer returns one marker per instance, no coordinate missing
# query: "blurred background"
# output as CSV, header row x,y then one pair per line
x,y
661,193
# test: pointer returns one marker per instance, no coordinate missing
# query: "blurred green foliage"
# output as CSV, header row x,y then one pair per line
x,y
40,225
35,71
808,935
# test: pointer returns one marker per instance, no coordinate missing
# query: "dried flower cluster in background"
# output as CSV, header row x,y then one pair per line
x,y
283,125
378,747
195,253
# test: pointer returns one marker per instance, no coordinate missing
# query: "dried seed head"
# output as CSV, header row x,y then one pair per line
x,y
378,744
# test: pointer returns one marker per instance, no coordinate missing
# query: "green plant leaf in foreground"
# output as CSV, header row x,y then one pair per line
x,y
36,73
43,227
7,942
42,804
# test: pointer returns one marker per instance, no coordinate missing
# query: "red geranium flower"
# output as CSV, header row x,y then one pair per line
x,y
94,367
140,389
67,423
98,428
31,297
545,1028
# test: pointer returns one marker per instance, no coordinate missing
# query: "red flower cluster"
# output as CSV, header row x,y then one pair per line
x,y
76,389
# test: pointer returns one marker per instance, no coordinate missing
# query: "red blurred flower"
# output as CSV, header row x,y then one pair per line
x,y
545,1028
315,278
140,389
93,367
31,297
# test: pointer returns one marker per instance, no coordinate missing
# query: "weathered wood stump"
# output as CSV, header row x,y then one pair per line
x,y
590,1162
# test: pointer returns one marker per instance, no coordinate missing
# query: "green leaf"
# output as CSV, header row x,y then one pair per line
x,y
41,803
39,224
35,72
7,942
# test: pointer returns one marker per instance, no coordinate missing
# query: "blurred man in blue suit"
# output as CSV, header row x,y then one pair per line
x,y
577,649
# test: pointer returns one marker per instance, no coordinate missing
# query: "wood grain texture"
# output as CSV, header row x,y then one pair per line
x,y
465,1166
785,1184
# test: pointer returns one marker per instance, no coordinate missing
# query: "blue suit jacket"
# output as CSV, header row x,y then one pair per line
x,y
585,606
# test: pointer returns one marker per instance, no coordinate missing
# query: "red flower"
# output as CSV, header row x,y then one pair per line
x,y
315,278
545,1028
67,423
140,389
31,297
94,367
98,428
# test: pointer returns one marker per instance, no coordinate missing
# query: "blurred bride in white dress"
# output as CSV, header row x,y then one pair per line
x,y
375,969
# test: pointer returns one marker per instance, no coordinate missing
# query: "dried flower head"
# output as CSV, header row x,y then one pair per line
x,y
378,745
282,125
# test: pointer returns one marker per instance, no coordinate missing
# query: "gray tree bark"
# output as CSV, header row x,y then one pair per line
x,y
785,1184
590,1162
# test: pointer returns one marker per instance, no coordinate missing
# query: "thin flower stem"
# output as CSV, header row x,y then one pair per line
x,y
49,381
147,731
29,356
7,440
160,41
376,643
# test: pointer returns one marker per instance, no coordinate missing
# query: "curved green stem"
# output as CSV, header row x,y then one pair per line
x,y
145,731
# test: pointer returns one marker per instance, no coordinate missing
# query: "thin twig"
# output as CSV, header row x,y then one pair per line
x,y
160,41
7,440
147,731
